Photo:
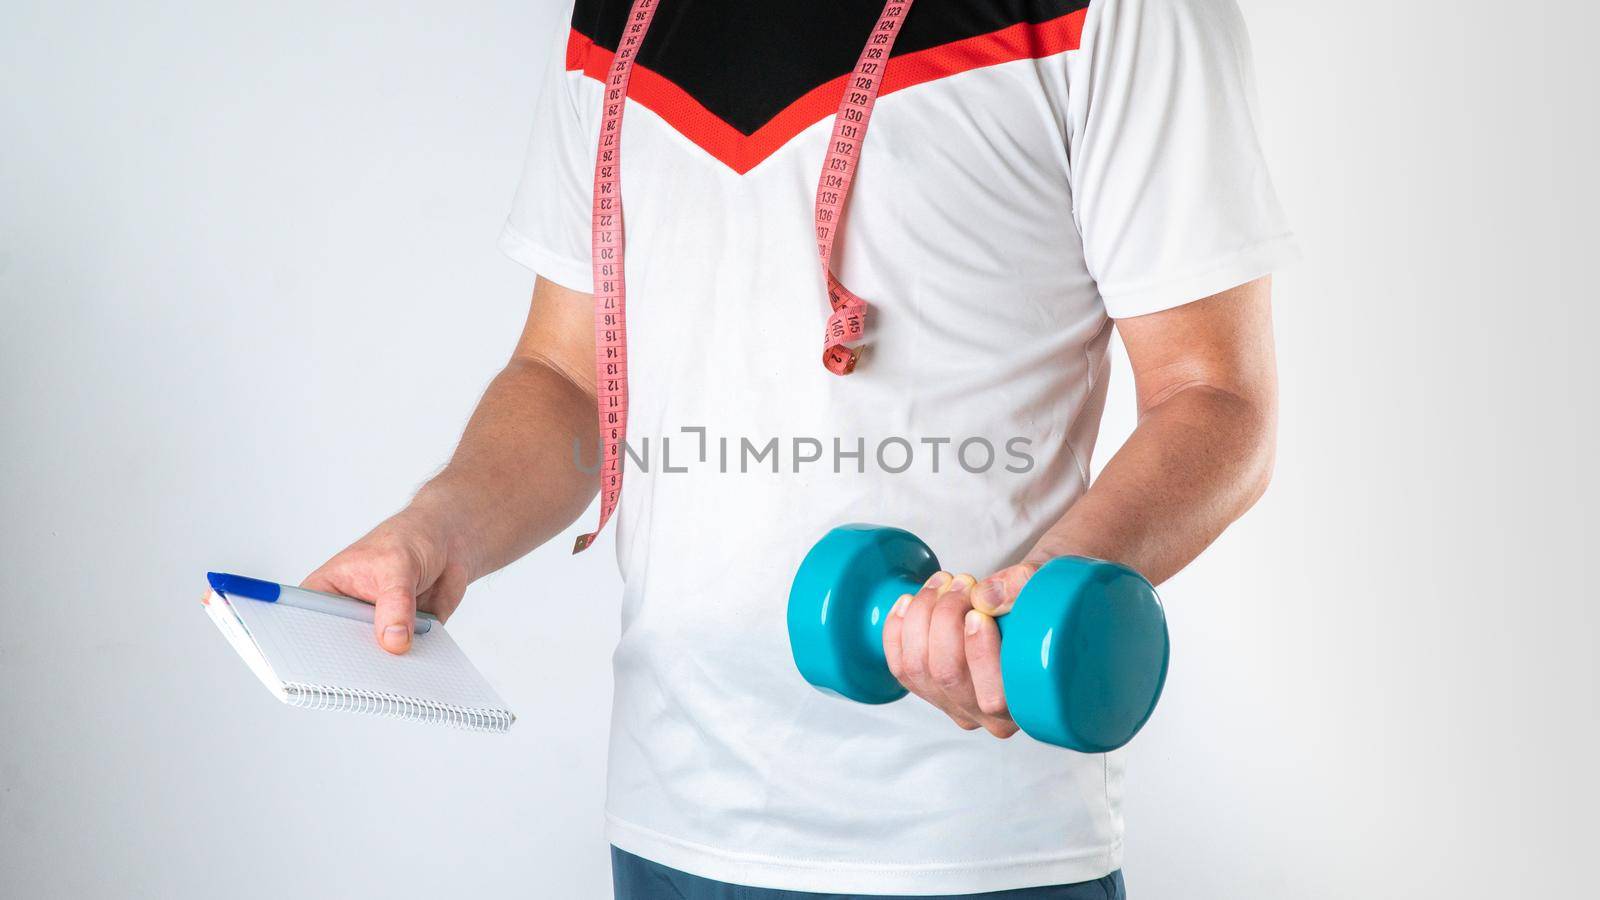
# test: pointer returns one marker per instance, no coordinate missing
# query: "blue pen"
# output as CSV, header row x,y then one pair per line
x,y
300,598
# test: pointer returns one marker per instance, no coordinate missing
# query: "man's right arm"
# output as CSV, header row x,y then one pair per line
x,y
512,483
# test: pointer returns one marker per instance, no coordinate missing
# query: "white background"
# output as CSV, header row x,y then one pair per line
x,y
249,292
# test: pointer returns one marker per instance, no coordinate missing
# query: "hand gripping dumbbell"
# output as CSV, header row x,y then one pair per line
x,y
1083,652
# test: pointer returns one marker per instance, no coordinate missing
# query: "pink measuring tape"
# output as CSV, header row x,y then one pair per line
x,y
846,324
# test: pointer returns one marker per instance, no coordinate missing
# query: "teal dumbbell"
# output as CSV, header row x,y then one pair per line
x,y
1083,653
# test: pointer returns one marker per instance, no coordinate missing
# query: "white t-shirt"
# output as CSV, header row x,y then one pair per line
x,y
1032,169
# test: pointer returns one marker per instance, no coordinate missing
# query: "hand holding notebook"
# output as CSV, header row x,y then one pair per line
x,y
317,651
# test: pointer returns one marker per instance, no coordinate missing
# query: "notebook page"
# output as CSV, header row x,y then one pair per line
x,y
221,613
308,647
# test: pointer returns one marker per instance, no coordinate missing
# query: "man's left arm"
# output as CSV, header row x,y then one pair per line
x,y
1200,457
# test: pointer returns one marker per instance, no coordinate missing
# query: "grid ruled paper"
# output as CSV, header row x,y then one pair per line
x,y
313,648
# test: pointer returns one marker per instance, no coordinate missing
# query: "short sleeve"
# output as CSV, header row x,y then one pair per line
x,y
548,229
1170,187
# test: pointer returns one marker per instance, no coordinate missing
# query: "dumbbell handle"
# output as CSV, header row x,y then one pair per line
x,y
880,603
1083,652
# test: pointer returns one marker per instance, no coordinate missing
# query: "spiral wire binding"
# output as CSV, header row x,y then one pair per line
x,y
394,706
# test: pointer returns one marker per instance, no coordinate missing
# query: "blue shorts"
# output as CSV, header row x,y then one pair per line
x,y
636,878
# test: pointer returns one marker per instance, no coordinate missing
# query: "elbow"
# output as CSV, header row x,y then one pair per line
x,y
1240,430
1245,426
1260,477
1262,456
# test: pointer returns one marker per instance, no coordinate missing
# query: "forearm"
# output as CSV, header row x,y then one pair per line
x,y
514,480
1198,460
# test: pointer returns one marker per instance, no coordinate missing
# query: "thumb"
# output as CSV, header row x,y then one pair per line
x,y
996,594
396,609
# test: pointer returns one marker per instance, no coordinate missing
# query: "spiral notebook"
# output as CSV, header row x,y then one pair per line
x,y
315,660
